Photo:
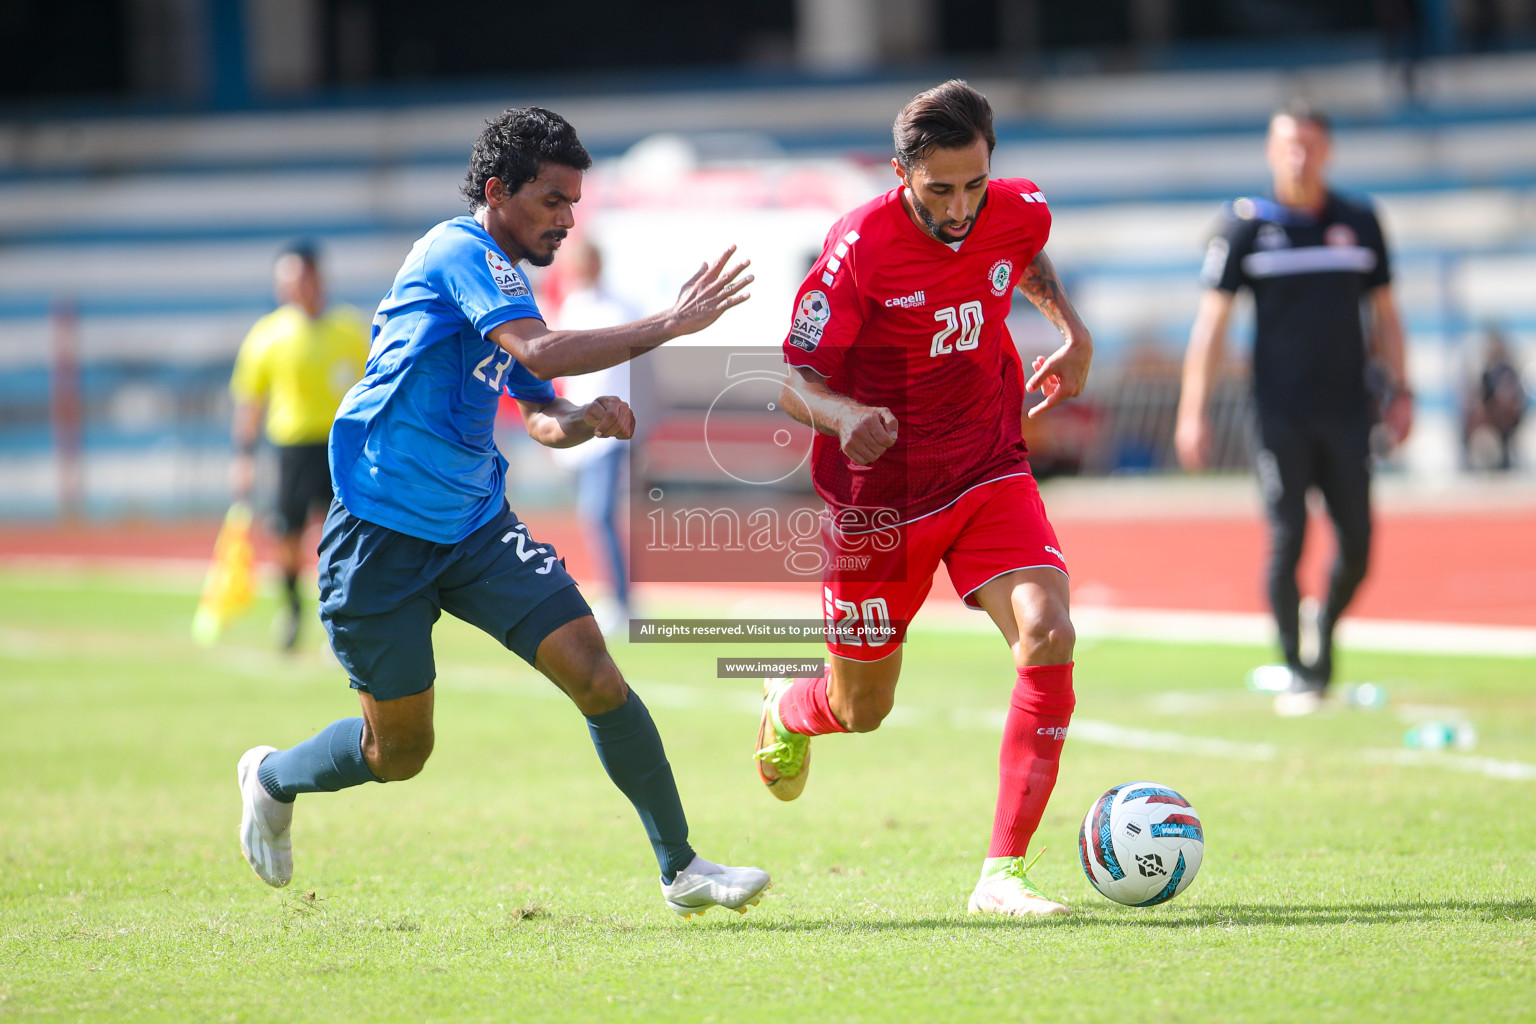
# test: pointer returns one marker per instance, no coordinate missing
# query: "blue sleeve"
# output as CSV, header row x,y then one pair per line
x,y
524,385
482,282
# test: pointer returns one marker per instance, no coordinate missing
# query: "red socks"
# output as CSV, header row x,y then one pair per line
x,y
1031,751
1031,754
804,708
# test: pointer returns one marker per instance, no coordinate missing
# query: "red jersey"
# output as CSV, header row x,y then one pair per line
x,y
893,317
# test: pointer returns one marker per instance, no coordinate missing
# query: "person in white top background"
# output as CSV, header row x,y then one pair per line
x,y
599,464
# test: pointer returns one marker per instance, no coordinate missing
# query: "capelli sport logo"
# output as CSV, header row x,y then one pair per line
x,y
508,281
1055,732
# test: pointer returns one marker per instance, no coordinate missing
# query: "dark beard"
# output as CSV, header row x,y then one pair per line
x,y
547,258
932,224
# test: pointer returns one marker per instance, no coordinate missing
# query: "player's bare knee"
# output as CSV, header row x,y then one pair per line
x,y
1047,641
395,759
600,689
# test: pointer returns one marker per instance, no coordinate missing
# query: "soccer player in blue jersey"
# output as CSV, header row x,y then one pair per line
x,y
421,524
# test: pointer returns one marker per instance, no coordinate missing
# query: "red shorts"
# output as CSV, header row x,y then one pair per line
x,y
875,580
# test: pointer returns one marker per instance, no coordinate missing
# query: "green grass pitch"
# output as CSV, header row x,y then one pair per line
x,y
511,881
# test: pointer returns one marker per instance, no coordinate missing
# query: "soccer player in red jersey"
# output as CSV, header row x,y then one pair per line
x,y
903,364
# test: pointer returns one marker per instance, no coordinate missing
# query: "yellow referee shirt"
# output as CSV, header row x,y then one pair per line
x,y
301,368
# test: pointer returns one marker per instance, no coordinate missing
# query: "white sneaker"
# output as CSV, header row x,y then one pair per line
x,y
264,823
1012,894
702,885
1296,703
1271,679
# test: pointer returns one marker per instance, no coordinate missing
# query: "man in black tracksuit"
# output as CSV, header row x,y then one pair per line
x,y
1318,268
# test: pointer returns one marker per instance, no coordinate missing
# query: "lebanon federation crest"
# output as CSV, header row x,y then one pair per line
x,y
999,276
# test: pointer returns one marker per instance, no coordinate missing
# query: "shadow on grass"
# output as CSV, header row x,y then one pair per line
x,y
1213,915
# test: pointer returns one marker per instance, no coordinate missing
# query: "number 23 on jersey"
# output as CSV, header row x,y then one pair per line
x,y
492,375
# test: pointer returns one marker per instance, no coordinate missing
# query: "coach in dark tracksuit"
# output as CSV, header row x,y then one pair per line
x,y
1315,263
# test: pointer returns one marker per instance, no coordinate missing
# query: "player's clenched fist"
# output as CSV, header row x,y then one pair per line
x,y
865,433
609,416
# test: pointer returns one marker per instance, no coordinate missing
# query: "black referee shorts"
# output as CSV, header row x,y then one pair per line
x,y
303,487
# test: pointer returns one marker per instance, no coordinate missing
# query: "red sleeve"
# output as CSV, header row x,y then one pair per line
x,y
1028,208
828,310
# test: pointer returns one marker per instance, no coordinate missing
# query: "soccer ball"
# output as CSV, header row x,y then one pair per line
x,y
1141,844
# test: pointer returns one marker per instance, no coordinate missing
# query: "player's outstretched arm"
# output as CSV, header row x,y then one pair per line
x,y
560,424
1064,373
1207,339
546,354
864,432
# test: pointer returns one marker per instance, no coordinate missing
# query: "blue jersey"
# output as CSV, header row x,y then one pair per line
x,y
413,447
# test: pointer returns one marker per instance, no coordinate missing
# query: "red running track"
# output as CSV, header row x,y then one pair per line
x,y
1474,567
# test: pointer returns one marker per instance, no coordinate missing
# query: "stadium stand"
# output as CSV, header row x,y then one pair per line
x,y
143,244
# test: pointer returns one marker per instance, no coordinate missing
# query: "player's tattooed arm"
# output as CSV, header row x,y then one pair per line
x,y
1041,285
1064,373
864,432
560,424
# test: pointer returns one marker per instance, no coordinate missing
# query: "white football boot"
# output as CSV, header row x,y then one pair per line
x,y
703,884
264,823
1011,893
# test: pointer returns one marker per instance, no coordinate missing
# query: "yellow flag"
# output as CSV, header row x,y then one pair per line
x,y
230,588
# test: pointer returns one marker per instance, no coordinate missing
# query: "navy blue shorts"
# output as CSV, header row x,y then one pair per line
x,y
381,591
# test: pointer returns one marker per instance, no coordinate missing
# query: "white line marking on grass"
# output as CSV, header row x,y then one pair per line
x,y
185,576
1091,730
1436,638
687,697
691,698
1493,768
1113,623
1111,735
1354,634
24,645
1429,713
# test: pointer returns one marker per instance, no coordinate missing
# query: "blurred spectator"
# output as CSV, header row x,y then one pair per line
x,y
599,464
1495,405
292,371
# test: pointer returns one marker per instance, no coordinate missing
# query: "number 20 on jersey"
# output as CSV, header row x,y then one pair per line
x,y
964,320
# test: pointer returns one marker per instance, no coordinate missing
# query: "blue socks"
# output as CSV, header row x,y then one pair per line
x,y
324,763
627,744
630,748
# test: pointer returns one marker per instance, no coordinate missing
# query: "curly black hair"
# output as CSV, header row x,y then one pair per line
x,y
513,144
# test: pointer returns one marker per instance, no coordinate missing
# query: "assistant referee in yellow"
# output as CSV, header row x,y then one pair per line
x,y
292,371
